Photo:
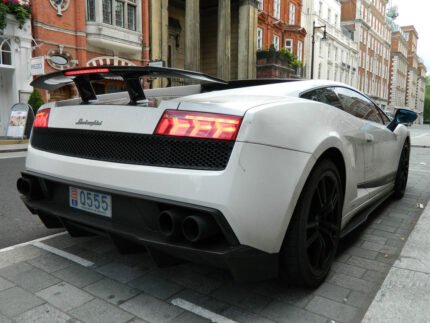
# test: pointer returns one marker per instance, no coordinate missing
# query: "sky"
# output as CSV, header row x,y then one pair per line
x,y
416,12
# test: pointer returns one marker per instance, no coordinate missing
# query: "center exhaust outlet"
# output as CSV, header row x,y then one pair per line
x,y
197,228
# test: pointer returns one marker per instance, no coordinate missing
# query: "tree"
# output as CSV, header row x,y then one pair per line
x,y
35,100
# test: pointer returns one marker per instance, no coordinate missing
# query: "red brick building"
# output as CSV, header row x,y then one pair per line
x,y
90,33
279,24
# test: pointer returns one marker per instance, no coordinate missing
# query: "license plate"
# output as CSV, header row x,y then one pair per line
x,y
97,203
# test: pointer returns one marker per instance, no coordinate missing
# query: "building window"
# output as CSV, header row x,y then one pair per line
x,y
107,11
119,14
124,13
131,17
260,5
300,50
320,9
292,18
289,45
5,52
277,8
259,38
91,10
276,42
328,15
336,18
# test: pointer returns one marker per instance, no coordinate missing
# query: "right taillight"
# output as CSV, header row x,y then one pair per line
x,y
198,125
42,118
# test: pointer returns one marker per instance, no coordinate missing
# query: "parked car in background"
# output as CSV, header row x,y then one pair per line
x,y
262,177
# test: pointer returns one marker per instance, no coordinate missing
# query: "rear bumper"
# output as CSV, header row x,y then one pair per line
x,y
256,193
134,224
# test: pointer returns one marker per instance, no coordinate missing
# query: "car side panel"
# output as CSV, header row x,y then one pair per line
x,y
312,127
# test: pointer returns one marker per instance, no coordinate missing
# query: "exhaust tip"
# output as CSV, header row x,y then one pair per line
x,y
170,223
23,185
190,228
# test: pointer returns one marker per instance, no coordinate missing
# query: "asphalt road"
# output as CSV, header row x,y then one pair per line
x,y
17,224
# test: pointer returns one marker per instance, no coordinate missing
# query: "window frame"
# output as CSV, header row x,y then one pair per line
x,y
259,38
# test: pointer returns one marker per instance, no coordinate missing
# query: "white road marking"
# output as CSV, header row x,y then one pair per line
x,y
12,155
419,136
64,254
198,310
32,241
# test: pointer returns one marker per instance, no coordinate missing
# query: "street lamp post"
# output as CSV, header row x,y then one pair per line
x,y
313,44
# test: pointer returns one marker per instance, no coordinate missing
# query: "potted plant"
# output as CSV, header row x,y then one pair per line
x,y
20,9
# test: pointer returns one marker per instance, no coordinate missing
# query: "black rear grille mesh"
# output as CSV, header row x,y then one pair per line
x,y
128,148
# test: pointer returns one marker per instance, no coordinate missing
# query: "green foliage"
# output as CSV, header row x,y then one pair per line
x,y
427,102
20,9
283,55
35,100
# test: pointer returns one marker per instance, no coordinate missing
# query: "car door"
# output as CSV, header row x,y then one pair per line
x,y
351,129
380,163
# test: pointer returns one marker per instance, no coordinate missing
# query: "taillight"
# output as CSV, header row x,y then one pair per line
x,y
42,118
198,125
86,71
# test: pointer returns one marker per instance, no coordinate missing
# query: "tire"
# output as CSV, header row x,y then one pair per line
x,y
402,173
312,238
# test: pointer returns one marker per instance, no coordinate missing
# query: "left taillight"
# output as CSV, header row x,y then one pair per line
x,y
198,125
42,118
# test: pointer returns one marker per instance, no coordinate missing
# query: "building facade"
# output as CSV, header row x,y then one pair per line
x,y
366,20
90,33
15,77
215,37
412,76
421,91
279,24
398,68
335,58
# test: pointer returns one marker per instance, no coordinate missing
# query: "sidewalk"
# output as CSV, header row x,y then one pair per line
x,y
8,145
405,294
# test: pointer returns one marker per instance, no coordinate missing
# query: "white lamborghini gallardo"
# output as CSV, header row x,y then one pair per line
x,y
262,177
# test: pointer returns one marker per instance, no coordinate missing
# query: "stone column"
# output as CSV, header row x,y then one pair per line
x,y
192,35
224,39
159,29
247,39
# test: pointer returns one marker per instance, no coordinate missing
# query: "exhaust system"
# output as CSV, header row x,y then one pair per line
x,y
196,228
29,187
170,222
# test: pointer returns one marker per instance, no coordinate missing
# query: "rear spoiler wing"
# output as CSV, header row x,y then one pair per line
x,y
131,75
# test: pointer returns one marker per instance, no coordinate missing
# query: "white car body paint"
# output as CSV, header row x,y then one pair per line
x,y
280,140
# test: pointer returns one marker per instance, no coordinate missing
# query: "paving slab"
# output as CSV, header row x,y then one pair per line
x,y
151,309
64,296
44,313
15,300
112,291
78,276
98,311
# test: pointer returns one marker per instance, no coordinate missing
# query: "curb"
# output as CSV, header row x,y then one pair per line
x,y
12,150
404,294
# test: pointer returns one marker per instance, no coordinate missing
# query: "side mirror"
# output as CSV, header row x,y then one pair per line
x,y
402,116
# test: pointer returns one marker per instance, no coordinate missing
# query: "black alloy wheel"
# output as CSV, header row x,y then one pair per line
x,y
312,238
402,173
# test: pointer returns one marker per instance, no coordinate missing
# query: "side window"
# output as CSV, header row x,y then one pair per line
x,y
358,105
325,95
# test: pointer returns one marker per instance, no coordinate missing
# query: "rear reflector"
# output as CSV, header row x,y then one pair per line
x,y
86,71
198,125
42,118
